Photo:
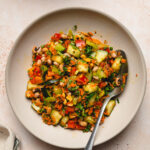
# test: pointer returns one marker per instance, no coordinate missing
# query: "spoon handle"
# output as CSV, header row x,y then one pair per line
x,y
90,143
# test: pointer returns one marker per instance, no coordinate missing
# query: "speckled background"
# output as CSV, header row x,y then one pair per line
x,y
15,15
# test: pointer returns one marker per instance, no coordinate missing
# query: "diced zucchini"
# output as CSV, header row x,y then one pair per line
x,y
57,90
90,43
49,99
73,51
31,86
36,108
64,121
82,66
55,70
75,100
117,64
102,93
110,106
89,119
89,76
59,47
91,101
90,87
57,59
102,45
100,55
55,116
44,68
99,73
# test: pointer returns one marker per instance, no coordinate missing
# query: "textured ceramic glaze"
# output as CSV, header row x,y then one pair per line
x,y
38,33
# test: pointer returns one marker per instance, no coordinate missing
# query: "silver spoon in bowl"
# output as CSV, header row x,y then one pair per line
x,y
115,93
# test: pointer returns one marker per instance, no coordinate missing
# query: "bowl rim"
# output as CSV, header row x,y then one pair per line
x,y
94,10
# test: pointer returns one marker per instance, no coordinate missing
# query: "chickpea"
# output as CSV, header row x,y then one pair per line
x,y
83,123
95,68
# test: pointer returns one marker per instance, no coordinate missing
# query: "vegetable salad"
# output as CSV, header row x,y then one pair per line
x,y
70,77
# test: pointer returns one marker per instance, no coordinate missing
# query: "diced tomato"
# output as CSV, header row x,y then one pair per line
x,y
36,71
108,50
99,103
73,70
56,36
82,80
38,57
80,43
102,84
32,80
71,124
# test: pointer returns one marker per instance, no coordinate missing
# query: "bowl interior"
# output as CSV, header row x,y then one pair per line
x,y
39,33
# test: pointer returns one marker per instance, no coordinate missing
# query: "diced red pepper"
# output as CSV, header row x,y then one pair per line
x,y
36,71
108,50
38,57
82,80
56,36
102,84
73,70
71,124
80,43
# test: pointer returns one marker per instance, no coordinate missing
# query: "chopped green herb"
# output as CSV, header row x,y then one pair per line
x,y
80,106
75,27
105,47
118,101
67,60
42,46
49,53
111,48
88,127
88,50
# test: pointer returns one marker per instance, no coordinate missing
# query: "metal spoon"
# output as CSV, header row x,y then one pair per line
x,y
116,92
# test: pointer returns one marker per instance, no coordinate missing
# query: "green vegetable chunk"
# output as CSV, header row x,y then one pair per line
x,y
99,73
49,99
57,59
59,47
64,121
110,106
82,66
91,101
117,64
90,43
57,90
89,119
101,55
73,51
55,116
90,87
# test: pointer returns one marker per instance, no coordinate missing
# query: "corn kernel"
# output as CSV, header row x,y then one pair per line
x,y
65,102
87,59
69,97
63,94
91,64
83,56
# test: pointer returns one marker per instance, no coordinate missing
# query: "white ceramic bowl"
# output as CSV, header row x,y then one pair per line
x,y
39,32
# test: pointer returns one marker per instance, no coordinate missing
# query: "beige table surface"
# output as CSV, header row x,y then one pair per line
x,y
15,15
